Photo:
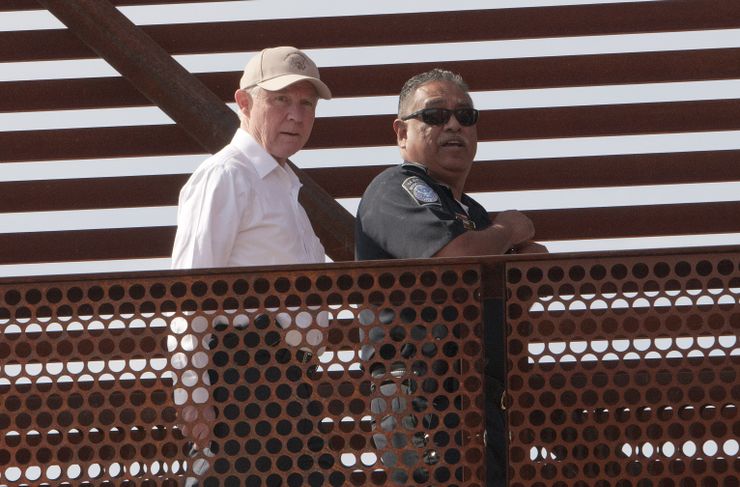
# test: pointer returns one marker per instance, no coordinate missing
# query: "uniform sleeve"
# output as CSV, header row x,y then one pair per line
x,y
402,225
208,219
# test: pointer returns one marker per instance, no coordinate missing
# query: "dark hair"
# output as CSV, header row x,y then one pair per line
x,y
436,74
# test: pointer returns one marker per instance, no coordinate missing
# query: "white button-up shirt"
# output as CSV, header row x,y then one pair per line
x,y
240,208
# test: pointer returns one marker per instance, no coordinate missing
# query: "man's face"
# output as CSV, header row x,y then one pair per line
x,y
281,121
446,150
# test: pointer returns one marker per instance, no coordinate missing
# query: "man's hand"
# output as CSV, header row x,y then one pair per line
x,y
509,229
519,227
197,424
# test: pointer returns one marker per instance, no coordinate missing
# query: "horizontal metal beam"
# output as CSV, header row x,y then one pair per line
x,y
376,130
636,221
10,5
408,28
91,193
351,181
562,173
385,80
561,224
89,143
149,69
83,245
195,109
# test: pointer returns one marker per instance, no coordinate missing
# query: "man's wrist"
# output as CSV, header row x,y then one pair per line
x,y
508,245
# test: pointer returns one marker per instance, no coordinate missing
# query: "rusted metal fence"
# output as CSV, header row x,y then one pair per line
x,y
622,370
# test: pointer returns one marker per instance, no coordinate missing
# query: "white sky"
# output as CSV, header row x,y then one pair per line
x,y
264,9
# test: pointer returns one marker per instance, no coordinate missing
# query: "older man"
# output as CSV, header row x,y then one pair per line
x,y
418,209
240,207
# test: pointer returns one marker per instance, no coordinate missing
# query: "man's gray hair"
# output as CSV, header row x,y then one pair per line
x,y
436,74
252,91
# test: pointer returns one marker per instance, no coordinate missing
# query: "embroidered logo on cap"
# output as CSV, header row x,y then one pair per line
x,y
422,193
297,61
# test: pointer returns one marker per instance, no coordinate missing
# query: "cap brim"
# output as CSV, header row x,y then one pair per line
x,y
281,82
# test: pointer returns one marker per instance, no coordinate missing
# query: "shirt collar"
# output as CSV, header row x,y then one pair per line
x,y
422,167
262,161
416,165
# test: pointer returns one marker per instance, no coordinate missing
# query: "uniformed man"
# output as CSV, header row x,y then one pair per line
x,y
418,209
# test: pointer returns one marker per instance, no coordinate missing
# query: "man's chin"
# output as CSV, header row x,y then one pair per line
x,y
286,151
461,161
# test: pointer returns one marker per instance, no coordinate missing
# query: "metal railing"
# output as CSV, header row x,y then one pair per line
x,y
620,369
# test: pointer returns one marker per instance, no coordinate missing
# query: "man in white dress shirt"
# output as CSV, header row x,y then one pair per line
x,y
240,207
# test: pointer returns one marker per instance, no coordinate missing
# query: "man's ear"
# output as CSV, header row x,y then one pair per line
x,y
243,101
399,126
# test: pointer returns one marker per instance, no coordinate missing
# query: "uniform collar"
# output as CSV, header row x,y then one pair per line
x,y
416,165
422,168
262,161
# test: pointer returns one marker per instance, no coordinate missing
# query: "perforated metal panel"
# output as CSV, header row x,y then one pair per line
x,y
390,395
85,385
624,371
326,377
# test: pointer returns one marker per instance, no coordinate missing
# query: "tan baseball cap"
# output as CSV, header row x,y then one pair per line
x,y
277,67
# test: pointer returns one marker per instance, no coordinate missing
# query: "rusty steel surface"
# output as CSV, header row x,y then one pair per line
x,y
562,172
351,181
624,371
636,221
112,36
555,224
72,245
355,375
378,80
406,28
195,102
84,193
34,4
99,142
372,130
192,106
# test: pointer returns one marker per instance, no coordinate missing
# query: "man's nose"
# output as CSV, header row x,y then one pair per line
x,y
452,124
295,112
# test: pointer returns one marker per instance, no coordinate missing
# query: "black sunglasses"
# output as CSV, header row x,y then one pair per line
x,y
440,116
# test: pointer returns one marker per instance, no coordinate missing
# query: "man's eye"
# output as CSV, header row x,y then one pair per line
x,y
307,103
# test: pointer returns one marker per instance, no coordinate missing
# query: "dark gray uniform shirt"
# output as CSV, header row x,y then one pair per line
x,y
405,214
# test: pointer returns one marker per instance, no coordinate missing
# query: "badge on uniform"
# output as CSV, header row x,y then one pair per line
x,y
422,193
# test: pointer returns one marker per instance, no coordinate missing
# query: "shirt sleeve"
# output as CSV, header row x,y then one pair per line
x,y
208,219
404,226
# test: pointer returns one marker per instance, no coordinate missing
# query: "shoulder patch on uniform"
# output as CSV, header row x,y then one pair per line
x,y
420,191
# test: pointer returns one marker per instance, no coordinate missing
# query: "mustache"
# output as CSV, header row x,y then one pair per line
x,y
453,138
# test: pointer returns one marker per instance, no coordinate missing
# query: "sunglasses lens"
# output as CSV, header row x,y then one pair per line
x,y
435,116
440,116
466,116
